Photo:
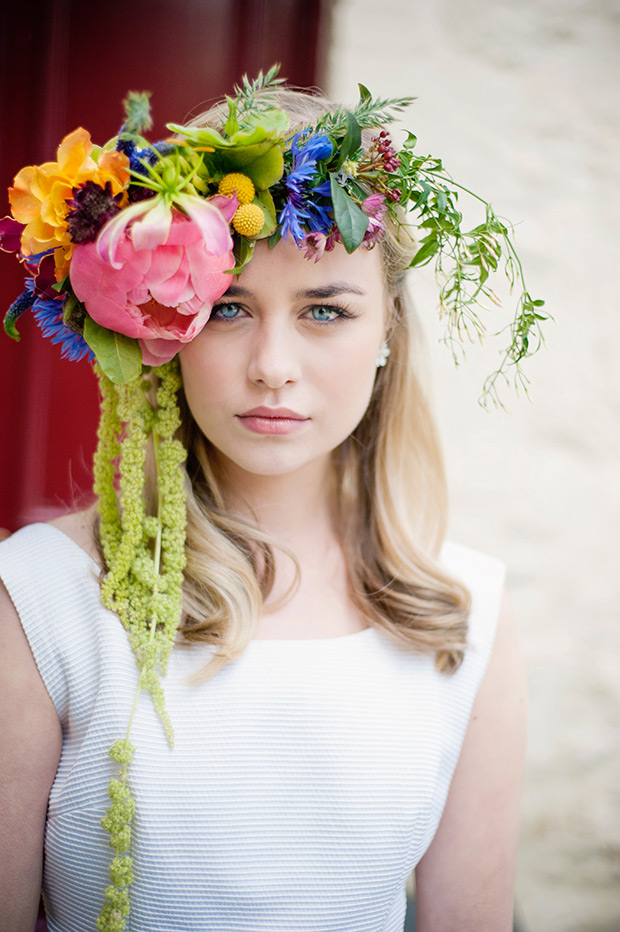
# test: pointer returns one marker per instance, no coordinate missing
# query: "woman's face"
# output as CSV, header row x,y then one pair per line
x,y
283,371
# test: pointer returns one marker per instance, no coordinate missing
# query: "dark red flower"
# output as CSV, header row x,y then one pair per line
x,y
11,234
91,207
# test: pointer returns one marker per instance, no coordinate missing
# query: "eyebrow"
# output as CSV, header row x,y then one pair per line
x,y
330,291
236,291
318,294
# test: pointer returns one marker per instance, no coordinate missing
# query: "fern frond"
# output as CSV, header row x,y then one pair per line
x,y
369,111
254,95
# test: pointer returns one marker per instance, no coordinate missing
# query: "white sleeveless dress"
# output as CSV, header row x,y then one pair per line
x,y
307,780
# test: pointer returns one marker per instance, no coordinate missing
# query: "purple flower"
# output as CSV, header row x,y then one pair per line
x,y
91,207
43,270
315,244
374,208
10,234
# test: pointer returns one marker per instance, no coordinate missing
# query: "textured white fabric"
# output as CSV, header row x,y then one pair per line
x,y
307,779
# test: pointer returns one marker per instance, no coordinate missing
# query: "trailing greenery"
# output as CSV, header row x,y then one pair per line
x,y
145,557
464,260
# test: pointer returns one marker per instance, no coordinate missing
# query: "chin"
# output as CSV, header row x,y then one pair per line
x,y
270,462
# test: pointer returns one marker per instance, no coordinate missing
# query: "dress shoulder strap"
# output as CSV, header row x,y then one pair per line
x,y
484,577
53,585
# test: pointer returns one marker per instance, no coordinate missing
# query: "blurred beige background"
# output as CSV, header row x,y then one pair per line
x,y
522,102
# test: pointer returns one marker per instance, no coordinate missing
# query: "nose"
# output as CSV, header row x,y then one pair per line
x,y
274,357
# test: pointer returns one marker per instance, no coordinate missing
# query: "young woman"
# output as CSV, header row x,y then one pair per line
x,y
344,686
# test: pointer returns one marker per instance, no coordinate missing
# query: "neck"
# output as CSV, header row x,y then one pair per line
x,y
296,510
296,507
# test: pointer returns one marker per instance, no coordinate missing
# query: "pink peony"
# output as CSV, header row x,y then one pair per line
x,y
158,288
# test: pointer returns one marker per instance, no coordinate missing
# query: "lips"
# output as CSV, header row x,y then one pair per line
x,y
263,411
274,421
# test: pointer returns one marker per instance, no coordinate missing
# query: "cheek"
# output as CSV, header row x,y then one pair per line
x,y
348,384
206,382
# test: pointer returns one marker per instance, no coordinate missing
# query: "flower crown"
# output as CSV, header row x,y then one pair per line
x,y
128,245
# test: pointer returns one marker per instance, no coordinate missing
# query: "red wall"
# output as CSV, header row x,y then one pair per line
x,y
65,63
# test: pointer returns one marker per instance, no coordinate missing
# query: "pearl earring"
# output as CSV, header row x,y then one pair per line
x,y
382,355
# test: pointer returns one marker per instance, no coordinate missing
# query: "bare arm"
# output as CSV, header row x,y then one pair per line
x,y
30,745
465,880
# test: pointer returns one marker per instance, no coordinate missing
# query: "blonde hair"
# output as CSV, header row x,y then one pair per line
x,y
390,493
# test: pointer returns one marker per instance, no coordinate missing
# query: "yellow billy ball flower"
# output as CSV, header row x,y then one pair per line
x,y
241,184
248,220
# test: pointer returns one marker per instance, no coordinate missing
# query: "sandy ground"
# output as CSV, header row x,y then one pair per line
x,y
521,101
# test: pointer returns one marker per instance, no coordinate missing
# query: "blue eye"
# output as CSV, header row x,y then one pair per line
x,y
325,313
227,311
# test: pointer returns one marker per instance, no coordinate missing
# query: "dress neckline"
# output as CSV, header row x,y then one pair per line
x,y
276,642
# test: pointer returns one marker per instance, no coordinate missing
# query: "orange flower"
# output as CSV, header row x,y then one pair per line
x,y
40,193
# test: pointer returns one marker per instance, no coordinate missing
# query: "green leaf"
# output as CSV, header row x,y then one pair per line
x,y
273,123
17,308
242,250
119,356
60,286
231,126
199,136
352,140
266,204
422,196
426,251
73,313
263,163
364,92
351,221
70,305
275,238
265,126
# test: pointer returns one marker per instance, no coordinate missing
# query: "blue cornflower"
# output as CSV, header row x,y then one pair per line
x,y
48,315
136,156
302,207
306,156
291,219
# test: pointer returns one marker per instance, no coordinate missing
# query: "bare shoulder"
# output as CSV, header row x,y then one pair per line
x,y
504,680
80,527
465,879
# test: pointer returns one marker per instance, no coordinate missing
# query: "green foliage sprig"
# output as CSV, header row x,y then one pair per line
x,y
464,261
145,558
254,96
369,112
138,119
